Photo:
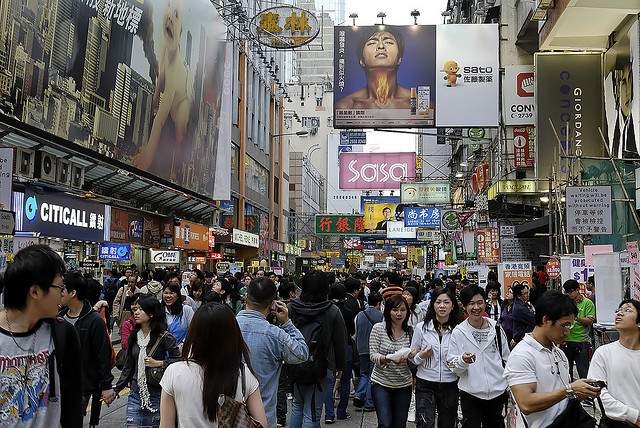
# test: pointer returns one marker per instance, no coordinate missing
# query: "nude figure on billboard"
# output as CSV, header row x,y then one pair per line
x,y
379,52
173,83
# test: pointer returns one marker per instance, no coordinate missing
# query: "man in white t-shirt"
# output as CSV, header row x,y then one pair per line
x,y
538,372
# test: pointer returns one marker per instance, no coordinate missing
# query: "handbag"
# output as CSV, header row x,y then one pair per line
x,y
234,414
574,416
607,422
121,357
154,374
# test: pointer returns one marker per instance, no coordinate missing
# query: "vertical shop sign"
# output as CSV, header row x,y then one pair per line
x,y
488,244
523,146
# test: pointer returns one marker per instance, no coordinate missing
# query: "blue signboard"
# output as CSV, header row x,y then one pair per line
x,y
115,252
422,217
56,214
353,137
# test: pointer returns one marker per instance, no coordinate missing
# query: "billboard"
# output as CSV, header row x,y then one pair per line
x,y
338,200
375,171
191,235
570,114
518,94
422,217
377,214
110,251
335,224
425,193
139,82
416,76
131,227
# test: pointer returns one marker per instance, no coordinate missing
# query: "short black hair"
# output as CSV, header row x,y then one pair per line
x,y
570,285
635,304
467,293
337,292
493,285
374,298
75,281
33,265
261,292
285,290
554,305
315,287
517,289
393,278
94,289
492,276
379,29
352,284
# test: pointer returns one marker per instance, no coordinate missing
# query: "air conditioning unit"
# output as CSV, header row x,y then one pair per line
x,y
64,172
77,175
46,166
25,160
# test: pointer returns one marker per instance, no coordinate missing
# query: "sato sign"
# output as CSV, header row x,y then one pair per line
x,y
170,257
425,193
115,252
589,210
422,217
375,171
58,215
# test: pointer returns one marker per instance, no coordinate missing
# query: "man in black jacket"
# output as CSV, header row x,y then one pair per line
x,y
40,364
94,339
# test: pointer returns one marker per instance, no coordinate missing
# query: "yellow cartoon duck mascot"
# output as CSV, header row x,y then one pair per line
x,y
451,69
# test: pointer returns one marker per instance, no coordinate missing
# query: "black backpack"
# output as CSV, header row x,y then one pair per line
x,y
110,290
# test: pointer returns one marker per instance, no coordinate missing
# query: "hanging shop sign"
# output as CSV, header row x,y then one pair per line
x,y
569,113
514,273
284,27
166,234
425,193
215,256
589,210
336,224
479,179
449,221
397,229
518,93
6,177
353,137
527,187
523,146
241,237
191,235
488,245
352,243
169,257
111,251
428,235
56,214
375,171
422,217
20,242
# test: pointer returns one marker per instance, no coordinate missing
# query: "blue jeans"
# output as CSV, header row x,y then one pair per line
x,y
392,405
301,411
345,388
364,387
432,395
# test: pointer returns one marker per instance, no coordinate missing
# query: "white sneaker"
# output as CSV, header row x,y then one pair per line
x,y
412,409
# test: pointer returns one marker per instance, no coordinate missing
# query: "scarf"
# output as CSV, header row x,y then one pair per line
x,y
143,341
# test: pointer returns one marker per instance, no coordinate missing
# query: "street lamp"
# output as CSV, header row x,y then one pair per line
x,y
415,13
353,16
298,133
382,15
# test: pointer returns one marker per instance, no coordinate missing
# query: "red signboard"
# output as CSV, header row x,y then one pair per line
x,y
523,146
553,268
215,256
130,227
479,178
488,244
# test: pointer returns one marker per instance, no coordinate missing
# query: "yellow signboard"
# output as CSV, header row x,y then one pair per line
x,y
512,186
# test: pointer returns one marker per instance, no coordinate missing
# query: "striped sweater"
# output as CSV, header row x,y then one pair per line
x,y
389,375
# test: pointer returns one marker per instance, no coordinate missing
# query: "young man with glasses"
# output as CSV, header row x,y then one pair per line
x,y
538,372
579,340
40,355
617,365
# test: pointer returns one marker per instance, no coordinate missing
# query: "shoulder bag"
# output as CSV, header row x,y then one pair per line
x,y
607,422
234,414
154,374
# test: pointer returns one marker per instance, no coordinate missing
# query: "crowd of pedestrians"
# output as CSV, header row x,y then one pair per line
x,y
436,353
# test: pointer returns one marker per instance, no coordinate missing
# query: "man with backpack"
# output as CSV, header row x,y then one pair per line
x,y
324,331
365,321
269,345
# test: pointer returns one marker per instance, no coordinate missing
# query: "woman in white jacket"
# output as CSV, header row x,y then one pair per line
x,y
437,385
475,357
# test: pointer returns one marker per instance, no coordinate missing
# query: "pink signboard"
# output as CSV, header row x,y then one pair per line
x,y
375,171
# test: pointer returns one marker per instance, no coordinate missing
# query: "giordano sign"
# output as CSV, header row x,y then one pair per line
x,y
284,27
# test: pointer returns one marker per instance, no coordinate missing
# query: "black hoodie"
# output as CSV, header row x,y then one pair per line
x,y
337,354
96,349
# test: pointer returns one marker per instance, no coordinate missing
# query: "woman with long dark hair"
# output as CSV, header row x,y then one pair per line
x,y
196,295
391,377
178,316
209,368
143,404
437,386
494,301
417,309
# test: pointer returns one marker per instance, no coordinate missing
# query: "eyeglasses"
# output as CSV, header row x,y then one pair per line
x,y
567,326
59,287
624,311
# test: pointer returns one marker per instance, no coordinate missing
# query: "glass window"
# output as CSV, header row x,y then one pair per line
x,y
235,161
256,176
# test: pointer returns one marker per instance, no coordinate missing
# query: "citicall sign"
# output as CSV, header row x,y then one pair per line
x,y
479,179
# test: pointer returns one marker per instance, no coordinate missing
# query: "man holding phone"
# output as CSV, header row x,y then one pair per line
x,y
269,345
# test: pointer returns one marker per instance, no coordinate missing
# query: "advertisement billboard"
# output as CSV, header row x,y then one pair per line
x,y
397,229
375,171
56,214
422,217
425,193
139,82
416,76
569,116
518,94
488,245
130,227
191,235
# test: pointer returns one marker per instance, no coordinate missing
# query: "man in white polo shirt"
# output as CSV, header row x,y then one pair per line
x,y
538,372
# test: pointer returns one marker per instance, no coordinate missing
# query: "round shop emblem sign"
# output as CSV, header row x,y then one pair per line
x,y
450,220
284,27
553,268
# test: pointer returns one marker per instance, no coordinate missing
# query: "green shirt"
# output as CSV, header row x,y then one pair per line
x,y
580,333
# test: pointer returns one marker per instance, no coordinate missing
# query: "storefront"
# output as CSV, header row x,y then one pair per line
x,y
239,246
193,239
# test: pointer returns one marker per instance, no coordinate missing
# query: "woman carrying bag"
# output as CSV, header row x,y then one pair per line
x,y
210,368
150,349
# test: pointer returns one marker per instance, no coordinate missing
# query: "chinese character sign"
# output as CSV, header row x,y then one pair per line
x,y
336,224
589,210
422,217
284,27
514,273
426,193
523,147
488,245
